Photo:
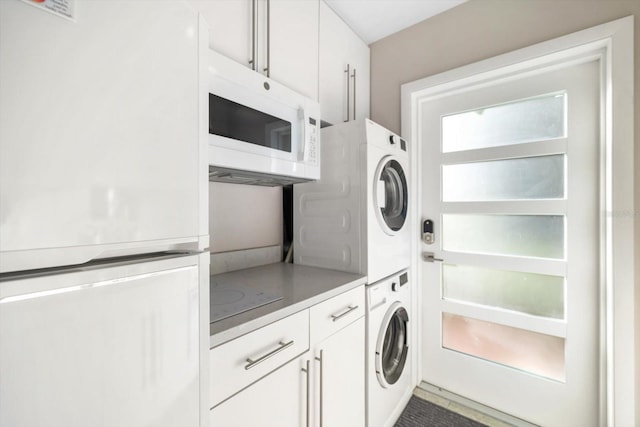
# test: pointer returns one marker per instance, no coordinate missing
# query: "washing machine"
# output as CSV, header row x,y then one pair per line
x,y
388,366
354,218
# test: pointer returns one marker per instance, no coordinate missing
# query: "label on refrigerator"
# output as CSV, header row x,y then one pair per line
x,y
63,8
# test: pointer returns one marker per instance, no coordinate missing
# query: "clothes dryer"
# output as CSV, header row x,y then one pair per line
x,y
354,218
388,368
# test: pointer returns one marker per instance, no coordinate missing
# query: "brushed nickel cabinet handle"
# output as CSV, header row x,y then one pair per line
x,y
321,359
336,317
251,363
252,61
307,371
347,71
354,93
267,70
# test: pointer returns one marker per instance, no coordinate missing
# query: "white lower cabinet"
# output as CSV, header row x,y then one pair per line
x,y
255,383
337,357
277,400
338,380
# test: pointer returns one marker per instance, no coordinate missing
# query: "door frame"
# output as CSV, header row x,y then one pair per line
x,y
612,44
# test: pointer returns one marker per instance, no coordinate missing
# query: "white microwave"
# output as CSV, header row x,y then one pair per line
x,y
260,132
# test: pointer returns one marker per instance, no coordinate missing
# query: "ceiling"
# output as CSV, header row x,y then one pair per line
x,y
373,20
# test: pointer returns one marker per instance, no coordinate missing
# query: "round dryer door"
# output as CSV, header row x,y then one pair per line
x,y
392,346
390,195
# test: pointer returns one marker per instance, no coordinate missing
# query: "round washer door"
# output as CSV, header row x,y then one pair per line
x,y
392,346
390,195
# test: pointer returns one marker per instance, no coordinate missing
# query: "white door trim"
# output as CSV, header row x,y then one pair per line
x,y
612,43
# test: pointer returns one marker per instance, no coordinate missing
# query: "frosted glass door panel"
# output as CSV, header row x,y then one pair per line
x,y
516,235
530,293
533,352
527,120
527,178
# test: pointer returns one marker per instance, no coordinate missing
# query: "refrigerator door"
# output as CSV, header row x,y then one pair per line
x,y
99,137
111,346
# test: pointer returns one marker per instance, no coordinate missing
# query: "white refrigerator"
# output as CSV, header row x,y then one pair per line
x,y
103,214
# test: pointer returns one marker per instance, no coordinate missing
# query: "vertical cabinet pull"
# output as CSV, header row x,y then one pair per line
x,y
347,71
306,371
267,68
354,93
252,61
320,359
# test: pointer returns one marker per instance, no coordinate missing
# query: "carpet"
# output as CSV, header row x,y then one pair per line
x,y
420,413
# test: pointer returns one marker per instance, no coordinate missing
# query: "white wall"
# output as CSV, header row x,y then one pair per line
x,y
244,217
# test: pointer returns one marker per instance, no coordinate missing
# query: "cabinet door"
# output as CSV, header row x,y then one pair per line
x,y
341,377
334,53
293,44
359,85
277,400
342,52
230,27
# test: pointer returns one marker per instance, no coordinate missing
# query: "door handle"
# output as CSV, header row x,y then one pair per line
x,y
347,71
430,257
252,61
354,92
267,70
307,372
321,400
282,345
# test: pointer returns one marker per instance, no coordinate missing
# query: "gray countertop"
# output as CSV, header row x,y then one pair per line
x,y
299,286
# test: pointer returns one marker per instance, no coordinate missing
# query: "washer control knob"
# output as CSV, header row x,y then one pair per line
x,y
395,287
393,139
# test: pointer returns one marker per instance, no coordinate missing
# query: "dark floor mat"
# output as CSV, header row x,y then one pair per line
x,y
420,413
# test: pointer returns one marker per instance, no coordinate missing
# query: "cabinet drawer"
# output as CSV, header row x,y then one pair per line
x,y
334,314
239,363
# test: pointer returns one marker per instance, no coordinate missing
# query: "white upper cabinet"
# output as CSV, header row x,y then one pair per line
x,y
294,44
230,26
344,70
278,38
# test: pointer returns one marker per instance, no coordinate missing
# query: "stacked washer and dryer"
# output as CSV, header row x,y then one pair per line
x,y
355,219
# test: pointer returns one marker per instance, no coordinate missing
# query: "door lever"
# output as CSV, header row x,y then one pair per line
x,y
430,257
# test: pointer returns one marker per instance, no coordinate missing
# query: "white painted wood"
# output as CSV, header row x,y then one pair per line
x,y
341,47
103,346
229,25
279,399
613,43
336,362
349,306
294,40
229,361
290,49
342,378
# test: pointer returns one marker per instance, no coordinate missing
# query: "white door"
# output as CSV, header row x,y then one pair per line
x,y
510,180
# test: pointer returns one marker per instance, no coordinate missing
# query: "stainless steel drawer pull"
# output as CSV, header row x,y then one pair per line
x,y
340,316
251,363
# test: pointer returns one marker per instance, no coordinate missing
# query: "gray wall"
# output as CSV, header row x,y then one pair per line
x,y
480,29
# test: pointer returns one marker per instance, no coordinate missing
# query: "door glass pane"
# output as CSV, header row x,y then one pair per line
x,y
535,294
533,352
528,120
519,235
527,178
